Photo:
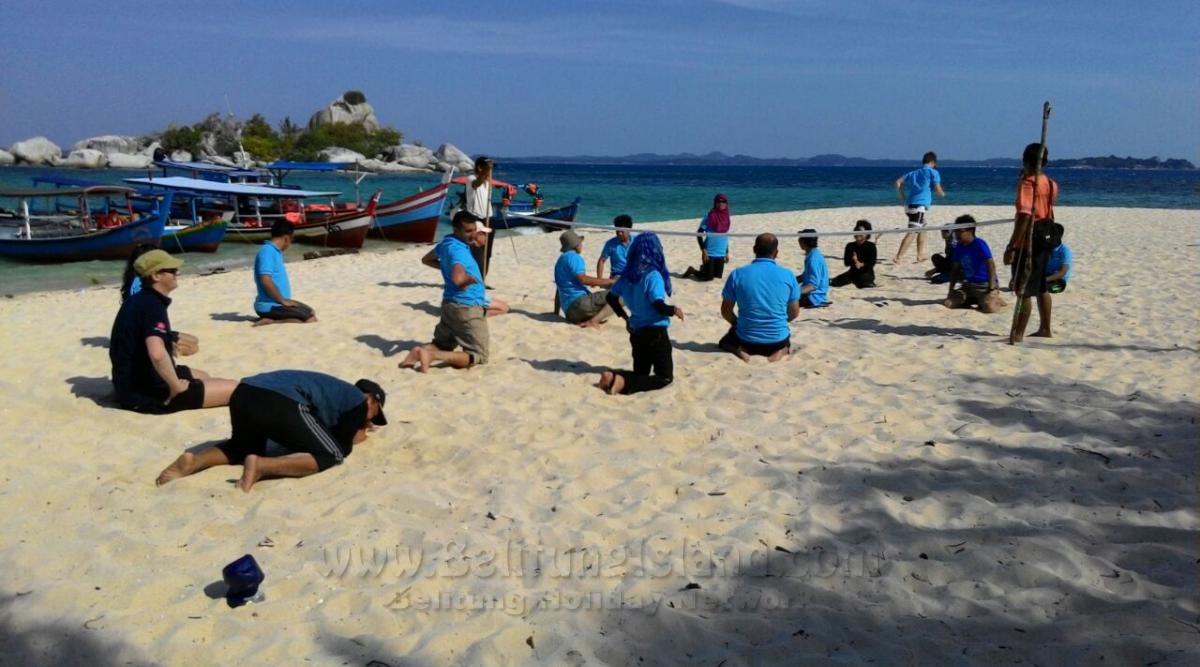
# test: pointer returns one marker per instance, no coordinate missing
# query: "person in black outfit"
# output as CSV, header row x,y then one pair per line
x,y
644,285
859,256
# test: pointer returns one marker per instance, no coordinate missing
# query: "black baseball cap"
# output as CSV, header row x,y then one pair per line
x,y
373,390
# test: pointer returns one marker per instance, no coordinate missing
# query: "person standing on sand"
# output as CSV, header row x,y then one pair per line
x,y
142,348
767,297
579,306
1037,211
463,320
615,249
859,258
478,202
274,304
644,285
714,250
288,424
915,190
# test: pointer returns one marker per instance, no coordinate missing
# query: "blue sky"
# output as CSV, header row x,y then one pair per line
x,y
762,77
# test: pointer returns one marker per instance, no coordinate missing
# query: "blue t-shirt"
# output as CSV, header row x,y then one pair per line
x,y
973,257
639,299
1058,257
918,185
452,250
327,397
614,252
716,246
816,273
762,291
566,278
269,262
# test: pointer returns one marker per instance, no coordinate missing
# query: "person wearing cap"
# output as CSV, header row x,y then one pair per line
x,y
478,202
463,322
274,303
289,424
579,306
814,281
142,348
766,297
616,248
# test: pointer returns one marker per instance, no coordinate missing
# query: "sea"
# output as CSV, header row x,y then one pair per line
x,y
648,193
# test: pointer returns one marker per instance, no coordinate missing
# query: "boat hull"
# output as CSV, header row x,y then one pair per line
x,y
201,237
412,219
342,231
114,243
519,219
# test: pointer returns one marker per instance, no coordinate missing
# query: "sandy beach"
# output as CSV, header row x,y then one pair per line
x,y
906,489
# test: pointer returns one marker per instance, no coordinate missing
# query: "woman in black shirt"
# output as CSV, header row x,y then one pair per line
x,y
859,256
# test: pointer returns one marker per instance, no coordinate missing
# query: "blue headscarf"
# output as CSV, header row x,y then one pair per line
x,y
646,255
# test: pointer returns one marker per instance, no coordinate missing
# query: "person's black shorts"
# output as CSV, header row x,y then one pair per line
x,y
731,341
297,311
1037,274
192,398
258,415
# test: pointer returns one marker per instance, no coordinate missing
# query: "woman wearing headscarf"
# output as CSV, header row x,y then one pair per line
x,y
714,250
644,286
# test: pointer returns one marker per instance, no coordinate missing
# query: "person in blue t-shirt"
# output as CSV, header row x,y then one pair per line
x,y
714,245
644,286
766,297
814,282
1058,274
974,267
615,249
288,424
463,321
915,190
274,303
579,306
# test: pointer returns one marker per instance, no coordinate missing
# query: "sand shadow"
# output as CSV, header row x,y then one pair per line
x,y
565,366
233,317
216,590
32,642
883,301
406,284
100,390
95,341
361,650
540,317
875,326
424,307
696,346
388,347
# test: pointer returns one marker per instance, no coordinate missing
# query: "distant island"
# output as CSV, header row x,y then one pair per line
x,y
836,160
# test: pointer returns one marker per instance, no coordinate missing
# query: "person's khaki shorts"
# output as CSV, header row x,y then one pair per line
x,y
586,307
971,294
465,327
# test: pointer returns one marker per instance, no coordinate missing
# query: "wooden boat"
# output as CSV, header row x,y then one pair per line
x,y
90,231
251,209
510,213
180,234
411,219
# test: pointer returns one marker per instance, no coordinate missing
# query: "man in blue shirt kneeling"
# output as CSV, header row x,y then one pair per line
x,y
274,303
766,297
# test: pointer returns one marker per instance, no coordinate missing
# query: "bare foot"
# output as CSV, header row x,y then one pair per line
x,y
1041,334
414,355
606,380
618,383
182,467
250,473
426,358
741,354
1013,339
590,324
262,322
779,354
920,260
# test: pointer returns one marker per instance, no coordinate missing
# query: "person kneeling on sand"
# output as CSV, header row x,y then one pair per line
x,y
814,282
645,285
274,303
142,348
463,320
289,424
940,272
767,297
974,266
1058,274
579,306
859,258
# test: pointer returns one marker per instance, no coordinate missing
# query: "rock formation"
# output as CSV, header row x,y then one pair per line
x,y
38,150
6,158
339,154
342,110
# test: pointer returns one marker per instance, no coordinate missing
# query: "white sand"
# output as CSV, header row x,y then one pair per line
x,y
942,473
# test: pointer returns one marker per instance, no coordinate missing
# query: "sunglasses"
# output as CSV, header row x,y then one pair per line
x,y
170,271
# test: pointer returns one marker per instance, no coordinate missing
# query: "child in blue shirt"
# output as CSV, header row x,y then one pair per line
x,y
814,282
1058,273
615,249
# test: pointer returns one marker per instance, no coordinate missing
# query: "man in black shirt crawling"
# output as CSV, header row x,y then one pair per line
x,y
142,346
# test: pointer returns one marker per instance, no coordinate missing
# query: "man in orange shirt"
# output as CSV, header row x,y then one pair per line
x,y
1035,206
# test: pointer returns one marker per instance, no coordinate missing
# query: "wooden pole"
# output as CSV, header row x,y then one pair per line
x,y
1025,257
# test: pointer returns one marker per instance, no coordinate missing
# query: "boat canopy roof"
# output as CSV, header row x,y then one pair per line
x,y
284,165
207,167
91,191
201,185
